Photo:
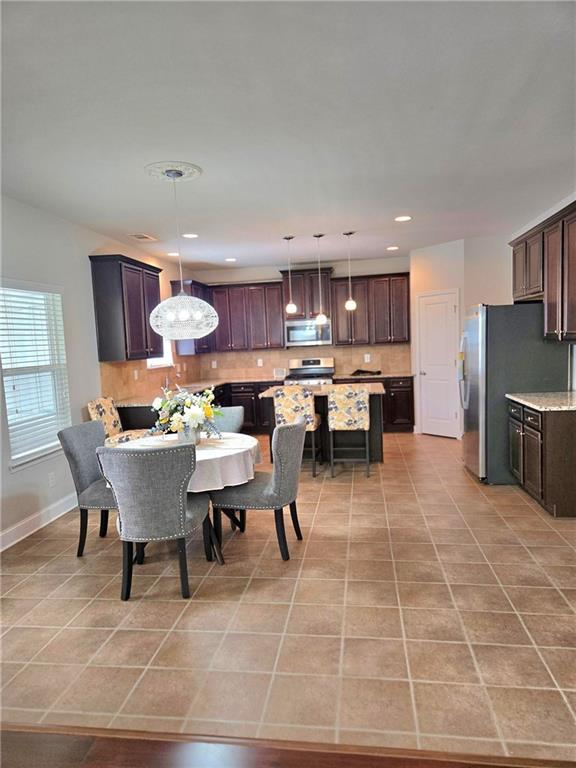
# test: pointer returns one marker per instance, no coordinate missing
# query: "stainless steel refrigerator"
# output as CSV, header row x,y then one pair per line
x,y
502,350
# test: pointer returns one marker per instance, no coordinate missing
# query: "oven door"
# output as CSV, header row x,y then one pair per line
x,y
307,333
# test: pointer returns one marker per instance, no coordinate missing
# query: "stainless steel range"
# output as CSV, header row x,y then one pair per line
x,y
310,370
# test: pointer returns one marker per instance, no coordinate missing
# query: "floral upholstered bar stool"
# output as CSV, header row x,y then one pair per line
x,y
291,403
103,409
348,411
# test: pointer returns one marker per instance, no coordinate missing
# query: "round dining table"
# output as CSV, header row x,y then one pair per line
x,y
220,462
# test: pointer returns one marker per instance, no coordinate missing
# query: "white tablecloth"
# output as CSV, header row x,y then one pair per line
x,y
229,461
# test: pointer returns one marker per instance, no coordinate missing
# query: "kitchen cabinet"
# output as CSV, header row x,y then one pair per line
x,y
399,309
542,456
265,324
553,282
245,395
390,309
125,293
231,334
350,327
528,268
399,405
380,310
200,291
306,292
569,279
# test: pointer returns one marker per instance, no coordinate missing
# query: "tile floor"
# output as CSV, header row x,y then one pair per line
x,y
421,610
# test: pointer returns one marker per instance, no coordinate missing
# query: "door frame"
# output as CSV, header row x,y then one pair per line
x,y
455,294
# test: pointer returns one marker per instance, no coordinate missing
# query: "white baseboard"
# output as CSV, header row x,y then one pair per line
x,y
36,521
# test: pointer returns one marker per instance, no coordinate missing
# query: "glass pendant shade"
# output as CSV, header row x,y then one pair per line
x,y
350,305
321,319
183,317
291,308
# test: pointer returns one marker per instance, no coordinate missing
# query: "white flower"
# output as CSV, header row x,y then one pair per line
x,y
194,416
177,423
157,403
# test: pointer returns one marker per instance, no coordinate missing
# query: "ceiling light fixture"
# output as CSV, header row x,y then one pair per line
x,y
403,218
181,316
231,258
190,235
350,304
393,248
321,318
291,308
172,253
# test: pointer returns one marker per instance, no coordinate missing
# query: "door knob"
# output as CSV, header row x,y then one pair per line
x,y
422,373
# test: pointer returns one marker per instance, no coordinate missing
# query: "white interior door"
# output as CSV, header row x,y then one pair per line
x,y
438,331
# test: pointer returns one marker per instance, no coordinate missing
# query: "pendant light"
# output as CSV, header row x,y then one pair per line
x,y
350,304
181,316
291,308
321,318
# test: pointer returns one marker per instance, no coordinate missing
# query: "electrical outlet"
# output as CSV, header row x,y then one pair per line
x,y
259,362
136,372
51,479
214,363
367,357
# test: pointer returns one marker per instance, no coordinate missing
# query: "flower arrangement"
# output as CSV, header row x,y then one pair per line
x,y
184,413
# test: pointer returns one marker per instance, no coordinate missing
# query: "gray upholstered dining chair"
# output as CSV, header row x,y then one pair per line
x,y
150,486
230,419
79,444
268,490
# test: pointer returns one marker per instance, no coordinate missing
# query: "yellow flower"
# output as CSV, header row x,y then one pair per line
x,y
208,411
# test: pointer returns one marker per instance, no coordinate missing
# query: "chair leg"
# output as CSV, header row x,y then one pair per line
x,y
313,433
206,526
331,453
242,515
184,585
281,533
367,438
295,521
127,557
217,518
215,544
83,532
140,546
103,523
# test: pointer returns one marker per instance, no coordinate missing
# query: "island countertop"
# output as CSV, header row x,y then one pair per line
x,y
546,401
324,389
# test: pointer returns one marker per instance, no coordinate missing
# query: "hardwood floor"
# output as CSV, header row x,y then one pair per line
x,y
40,747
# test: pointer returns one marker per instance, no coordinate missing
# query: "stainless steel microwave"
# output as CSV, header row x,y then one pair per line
x,y
307,333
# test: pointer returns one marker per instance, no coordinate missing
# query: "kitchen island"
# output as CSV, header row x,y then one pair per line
x,y
347,445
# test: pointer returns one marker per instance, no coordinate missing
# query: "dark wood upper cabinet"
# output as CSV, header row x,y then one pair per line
x,y
155,342
125,293
200,291
306,292
399,309
569,279
519,270
359,318
534,266
257,316
553,282
341,326
238,318
275,316
350,327
380,309
222,339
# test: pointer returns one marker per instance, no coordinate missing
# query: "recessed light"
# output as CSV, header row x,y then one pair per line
x,y
172,253
393,248
190,235
231,259
403,218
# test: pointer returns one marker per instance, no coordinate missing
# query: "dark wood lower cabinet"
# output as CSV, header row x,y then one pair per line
x,y
542,456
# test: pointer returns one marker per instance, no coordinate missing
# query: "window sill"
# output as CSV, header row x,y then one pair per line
x,y
26,462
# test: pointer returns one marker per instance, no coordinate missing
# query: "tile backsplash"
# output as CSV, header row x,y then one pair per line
x,y
118,380
391,359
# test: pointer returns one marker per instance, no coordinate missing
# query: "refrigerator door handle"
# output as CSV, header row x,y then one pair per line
x,y
463,384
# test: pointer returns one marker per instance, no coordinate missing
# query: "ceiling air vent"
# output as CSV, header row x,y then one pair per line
x,y
143,237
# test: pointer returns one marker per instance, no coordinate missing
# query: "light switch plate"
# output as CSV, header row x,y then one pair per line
x,y
259,362
135,374
367,357
214,363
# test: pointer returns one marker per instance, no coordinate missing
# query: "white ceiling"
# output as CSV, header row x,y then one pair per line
x,y
305,117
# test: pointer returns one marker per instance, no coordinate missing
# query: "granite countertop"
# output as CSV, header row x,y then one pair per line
x,y
338,376
546,401
324,389
193,386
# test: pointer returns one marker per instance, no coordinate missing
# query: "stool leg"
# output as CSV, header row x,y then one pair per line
x,y
331,453
313,434
367,438
295,522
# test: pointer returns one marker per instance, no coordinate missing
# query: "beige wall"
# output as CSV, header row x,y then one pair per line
x,y
392,359
41,248
487,271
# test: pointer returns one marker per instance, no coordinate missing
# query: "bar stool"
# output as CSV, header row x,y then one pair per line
x,y
291,403
348,411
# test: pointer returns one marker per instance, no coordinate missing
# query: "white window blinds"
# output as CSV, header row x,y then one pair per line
x,y
34,374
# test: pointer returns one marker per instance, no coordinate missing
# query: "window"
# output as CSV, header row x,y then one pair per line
x,y
166,361
34,374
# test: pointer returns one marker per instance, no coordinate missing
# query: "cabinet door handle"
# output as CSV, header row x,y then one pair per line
x,y
391,394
